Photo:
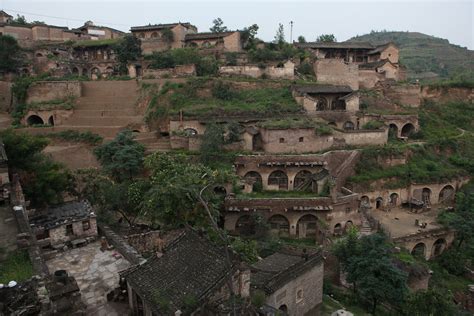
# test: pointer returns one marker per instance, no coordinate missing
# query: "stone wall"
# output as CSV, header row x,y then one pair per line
x,y
58,234
368,78
178,71
336,71
5,96
44,91
406,94
364,137
301,140
146,242
254,71
311,285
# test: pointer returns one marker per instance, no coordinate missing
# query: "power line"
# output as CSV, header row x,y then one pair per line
x,y
62,18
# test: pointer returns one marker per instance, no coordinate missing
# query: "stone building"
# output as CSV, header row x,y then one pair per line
x,y
5,17
292,281
323,98
68,222
97,32
160,37
162,285
223,41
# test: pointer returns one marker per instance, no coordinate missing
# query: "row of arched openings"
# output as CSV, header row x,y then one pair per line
x,y
419,250
303,180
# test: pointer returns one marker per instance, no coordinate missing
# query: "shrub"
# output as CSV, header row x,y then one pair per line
x,y
306,69
373,125
222,90
231,58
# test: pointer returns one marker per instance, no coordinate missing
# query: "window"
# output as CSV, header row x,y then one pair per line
x,y
86,225
69,230
282,140
301,139
299,295
348,209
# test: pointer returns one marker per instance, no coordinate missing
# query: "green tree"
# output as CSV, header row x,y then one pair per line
x,y
218,26
20,20
462,219
43,180
327,38
176,186
280,36
248,36
128,49
121,158
212,143
301,39
167,35
429,302
9,54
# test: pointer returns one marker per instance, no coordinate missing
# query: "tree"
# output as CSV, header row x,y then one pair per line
x,y
43,180
301,39
280,36
212,143
327,38
9,54
122,158
218,26
248,36
20,20
128,49
176,186
429,302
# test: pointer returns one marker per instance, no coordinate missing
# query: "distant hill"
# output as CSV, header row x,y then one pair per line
x,y
425,56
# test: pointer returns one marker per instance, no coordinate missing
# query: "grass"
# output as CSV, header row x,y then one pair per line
x,y
96,43
59,104
85,137
16,266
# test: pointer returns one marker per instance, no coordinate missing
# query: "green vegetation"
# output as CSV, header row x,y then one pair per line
x,y
9,54
174,98
127,49
424,55
326,38
43,180
16,267
58,104
373,125
97,43
75,136
121,158
218,26
282,194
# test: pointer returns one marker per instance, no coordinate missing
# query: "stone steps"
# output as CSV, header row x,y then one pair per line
x,y
102,120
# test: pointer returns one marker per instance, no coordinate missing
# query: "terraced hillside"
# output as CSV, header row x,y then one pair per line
x,y
426,56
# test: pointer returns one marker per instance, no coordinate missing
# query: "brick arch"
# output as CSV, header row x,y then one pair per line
x,y
245,225
446,194
280,224
439,246
407,130
278,178
307,226
255,179
303,182
419,250
34,120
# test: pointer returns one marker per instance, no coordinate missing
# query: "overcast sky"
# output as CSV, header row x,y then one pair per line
x,y
452,20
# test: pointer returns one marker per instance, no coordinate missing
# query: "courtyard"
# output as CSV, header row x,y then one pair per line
x,y
96,273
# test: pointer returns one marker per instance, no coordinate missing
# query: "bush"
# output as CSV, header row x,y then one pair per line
x,y
207,66
222,90
306,69
231,58
373,125
453,261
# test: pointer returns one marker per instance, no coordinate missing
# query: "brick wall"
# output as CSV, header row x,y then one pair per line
x,y
53,90
178,71
5,95
288,140
254,71
58,234
364,137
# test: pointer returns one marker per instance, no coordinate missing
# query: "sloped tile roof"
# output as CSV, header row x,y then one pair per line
x,y
374,64
206,35
191,266
159,26
62,214
334,45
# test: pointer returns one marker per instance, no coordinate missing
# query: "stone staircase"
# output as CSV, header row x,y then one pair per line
x,y
153,143
105,108
365,229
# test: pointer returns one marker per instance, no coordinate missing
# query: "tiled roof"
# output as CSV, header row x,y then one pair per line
x,y
190,267
159,26
323,88
207,35
344,45
276,270
380,48
3,13
62,214
375,64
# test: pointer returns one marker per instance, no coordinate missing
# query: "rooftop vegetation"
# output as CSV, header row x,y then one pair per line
x,y
97,43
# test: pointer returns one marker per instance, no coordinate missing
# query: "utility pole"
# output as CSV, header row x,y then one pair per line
x,y
291,31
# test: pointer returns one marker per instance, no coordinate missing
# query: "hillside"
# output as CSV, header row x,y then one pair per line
x,y
425,55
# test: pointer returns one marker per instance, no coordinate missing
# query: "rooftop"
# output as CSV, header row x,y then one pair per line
x,y
335,45
276,270
190,267
62,214
150,27
207,35
321,88
3,13
380,48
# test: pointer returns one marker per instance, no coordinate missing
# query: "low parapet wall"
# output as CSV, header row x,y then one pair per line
x,y
254,71
178,71
130,253
44,91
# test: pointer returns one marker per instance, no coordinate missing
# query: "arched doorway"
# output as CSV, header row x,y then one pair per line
x,y
245,226
278,178
419,250
307,226
438,247
378,202
322,104
337,229
34,120
95,73
365,201
393,199
51,120
392,131
348,226
220,190
303,181
407,130
75,71
426,196
279,225
283,308
348,126
255,180
446,194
